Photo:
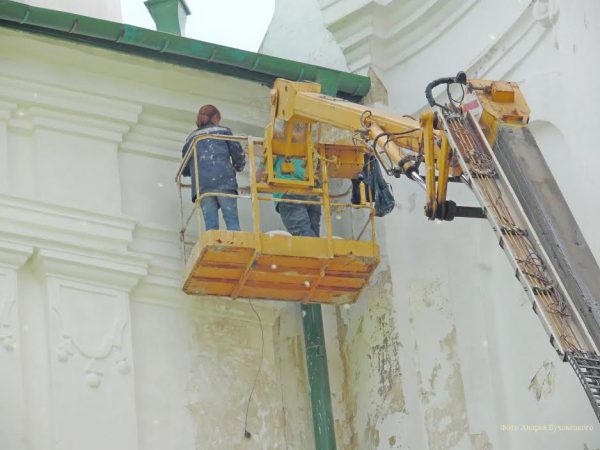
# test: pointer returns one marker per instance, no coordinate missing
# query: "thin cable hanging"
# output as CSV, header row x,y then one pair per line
x,y
247,433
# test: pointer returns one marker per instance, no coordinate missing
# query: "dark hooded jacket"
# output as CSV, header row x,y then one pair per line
x,y
217,161
377,189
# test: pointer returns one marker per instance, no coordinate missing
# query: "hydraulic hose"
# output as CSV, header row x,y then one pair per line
x,y
460,77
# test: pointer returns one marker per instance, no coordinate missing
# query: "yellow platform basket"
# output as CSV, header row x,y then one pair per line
x,y
251,264
289,268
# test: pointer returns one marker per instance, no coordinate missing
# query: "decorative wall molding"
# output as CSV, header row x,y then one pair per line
x,y
7,309
36,104
72,123
510,47
5,113
383,34
545,12
107,250
99,342
12,349
154,142
6,109
164,279
118,87
116,271
30,93
162,137
12,256
38,223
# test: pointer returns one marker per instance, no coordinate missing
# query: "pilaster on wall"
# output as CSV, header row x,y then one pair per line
x,y
90,350
12,425
68,333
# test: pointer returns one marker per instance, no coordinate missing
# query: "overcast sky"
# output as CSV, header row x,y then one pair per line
x,y
235,23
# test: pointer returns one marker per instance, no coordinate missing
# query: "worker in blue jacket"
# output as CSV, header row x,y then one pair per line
x,y
300,219
218,161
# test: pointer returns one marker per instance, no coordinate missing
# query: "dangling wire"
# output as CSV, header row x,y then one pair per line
x,y
452,99
247,434
365,119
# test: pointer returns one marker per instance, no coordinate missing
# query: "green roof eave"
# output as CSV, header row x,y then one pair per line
x,y
177,49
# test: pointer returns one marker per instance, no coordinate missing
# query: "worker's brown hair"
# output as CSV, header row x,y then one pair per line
x,y
207,114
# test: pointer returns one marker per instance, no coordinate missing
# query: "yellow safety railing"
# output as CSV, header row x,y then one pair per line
x,y
257,187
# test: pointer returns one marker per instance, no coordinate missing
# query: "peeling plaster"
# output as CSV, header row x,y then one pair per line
x,y
369,347
438,367
345,428
295,349
425,394
542,383
378,93
371,434
293,382
481,441
412,201
446,421
225,354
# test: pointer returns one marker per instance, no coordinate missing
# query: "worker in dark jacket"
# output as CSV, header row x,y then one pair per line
x,y
299,219
217,162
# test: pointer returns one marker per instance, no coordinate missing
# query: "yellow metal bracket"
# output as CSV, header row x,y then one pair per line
x,y
443,162
502,102
426,120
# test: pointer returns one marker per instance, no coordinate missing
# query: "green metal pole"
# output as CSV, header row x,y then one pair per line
x,y
314,339
318,377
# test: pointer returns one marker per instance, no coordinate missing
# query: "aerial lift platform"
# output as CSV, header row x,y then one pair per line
x,y
254,264
492,152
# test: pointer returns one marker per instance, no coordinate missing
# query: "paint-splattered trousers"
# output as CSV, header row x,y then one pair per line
x,y
301,219
210,210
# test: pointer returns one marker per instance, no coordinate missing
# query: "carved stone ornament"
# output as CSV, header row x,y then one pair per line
x,y
92,324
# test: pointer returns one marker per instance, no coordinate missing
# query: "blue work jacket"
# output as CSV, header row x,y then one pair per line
x,y
217,161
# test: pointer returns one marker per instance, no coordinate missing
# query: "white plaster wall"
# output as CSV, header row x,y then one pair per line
x,y
297,32
444,350
481,357
99,348
440,353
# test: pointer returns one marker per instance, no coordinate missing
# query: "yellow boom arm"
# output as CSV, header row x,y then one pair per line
x,y
404,141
